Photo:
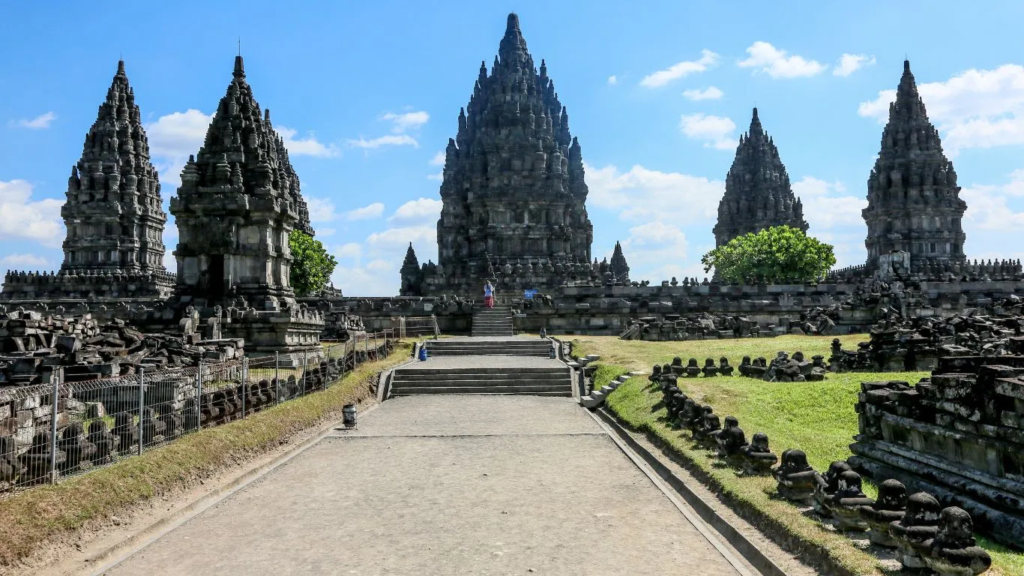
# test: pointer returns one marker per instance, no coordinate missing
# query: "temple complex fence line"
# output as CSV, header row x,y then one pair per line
x,y
63,428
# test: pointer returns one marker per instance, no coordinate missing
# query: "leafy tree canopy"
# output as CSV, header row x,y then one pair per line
x,y
776,255
312,266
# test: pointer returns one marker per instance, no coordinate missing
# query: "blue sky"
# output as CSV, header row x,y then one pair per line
x,y
367,94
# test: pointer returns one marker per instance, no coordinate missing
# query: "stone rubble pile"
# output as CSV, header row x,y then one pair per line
x,y
917,344
925,534
33,347
700,326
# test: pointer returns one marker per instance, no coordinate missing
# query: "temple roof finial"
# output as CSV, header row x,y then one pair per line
x,y
239,71
513,23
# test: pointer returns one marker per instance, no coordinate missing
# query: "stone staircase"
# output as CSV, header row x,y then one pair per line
x,y
537,347
533,381
495,321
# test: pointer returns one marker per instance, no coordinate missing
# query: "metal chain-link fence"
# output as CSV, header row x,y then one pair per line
x,y
62,428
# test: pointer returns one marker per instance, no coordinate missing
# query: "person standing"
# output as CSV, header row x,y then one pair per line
x,y
488,295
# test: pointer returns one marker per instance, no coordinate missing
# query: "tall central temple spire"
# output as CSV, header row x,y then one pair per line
x,y
914,202
513,191
758,194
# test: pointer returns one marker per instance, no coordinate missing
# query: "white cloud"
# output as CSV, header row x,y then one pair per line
x,y
320,209
172,138
170,262
680,70
40,122
366,212
710,93
349,250
715,131
644,195
322,232
24,261
438,176
850,63
768,59
419,210
389,140
827,205
308,146
377,278
438,159
974,109
988,206
405,121
393,238
612,80
22,217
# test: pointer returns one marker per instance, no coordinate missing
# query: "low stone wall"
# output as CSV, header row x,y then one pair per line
x,y
608,310
958,435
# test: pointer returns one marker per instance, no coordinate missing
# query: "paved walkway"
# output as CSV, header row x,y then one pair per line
x,y
446,485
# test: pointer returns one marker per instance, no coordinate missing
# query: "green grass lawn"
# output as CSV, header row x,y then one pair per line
x,y
816,417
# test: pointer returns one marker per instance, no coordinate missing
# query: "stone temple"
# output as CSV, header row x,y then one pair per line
x,y
513,191
913,199
757,190
238,203
113,214
239,200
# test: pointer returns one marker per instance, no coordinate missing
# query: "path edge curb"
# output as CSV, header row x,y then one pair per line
x,y
750,552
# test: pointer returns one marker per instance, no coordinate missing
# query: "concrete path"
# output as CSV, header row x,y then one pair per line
x,y
446,485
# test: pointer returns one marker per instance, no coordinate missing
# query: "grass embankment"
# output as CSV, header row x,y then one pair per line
x,y
816,417
34,517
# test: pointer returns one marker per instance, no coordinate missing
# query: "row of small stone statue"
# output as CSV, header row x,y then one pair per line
x,y
783,368
926,535
75,448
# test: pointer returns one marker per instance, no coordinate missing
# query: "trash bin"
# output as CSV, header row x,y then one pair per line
x,y
423,353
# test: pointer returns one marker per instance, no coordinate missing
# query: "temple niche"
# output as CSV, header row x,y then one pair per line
x,y
113,214
758,194
914,203
513,191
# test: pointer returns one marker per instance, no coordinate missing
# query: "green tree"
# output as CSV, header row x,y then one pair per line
x,y
776,255
311,264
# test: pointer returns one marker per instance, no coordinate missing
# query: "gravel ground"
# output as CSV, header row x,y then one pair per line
x,y
446,485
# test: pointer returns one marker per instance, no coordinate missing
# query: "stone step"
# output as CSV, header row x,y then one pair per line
x,y
489,345
482,370
530,390
430,378
524,384
521,354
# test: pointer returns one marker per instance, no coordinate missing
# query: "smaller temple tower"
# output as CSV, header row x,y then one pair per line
x,y
914,202
113,214
758,194
236,206
412,276
619,269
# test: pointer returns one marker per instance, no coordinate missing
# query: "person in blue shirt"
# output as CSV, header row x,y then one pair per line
x,y
488,295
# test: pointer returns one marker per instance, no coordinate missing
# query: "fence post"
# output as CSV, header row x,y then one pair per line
x,y
53,429
305,370
245,382
199,396
277,376
142,403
